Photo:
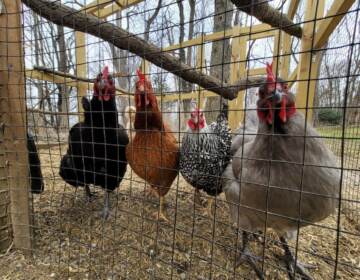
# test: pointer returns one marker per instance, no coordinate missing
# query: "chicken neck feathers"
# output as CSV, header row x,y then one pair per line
x,y
153,155
204,155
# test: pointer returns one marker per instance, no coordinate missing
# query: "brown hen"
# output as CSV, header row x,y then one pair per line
x,y
153,153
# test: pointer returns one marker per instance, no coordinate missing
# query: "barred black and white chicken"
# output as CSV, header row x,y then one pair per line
x,y
205,152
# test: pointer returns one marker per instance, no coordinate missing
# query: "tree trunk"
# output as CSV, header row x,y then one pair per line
x,y
120,63
36,119
184,86
220,55
267,14
63,94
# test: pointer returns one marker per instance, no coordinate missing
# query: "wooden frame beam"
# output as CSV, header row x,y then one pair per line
x,y
286,42
115,7
328,24
13,116
294,4
81,67
237,69
333,17
95,5
258,31
186,96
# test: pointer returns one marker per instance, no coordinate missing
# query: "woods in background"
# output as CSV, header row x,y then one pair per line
x,y
169,22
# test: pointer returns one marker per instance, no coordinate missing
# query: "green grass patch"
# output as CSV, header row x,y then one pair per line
x,y
352,132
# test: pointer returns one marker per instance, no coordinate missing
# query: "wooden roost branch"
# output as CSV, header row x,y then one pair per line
x,y
267,14
12,111
69,17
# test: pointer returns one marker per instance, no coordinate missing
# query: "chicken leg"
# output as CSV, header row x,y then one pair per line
x,y
105,213
293,266
160,215
197,198
89,196
209,207
246,256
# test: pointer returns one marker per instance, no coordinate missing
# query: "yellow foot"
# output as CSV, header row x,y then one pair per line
x,y
160,216
198,199
208,210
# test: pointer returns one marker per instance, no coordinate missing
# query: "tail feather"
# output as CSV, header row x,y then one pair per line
x,y
36,177
67,171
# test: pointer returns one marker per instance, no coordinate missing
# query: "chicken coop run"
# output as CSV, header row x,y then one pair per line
x,y
180,139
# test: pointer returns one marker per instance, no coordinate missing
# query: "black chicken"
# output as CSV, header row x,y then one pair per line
x,y
96,153
36,177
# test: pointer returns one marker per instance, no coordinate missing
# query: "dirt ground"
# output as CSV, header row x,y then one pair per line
x,y
71,241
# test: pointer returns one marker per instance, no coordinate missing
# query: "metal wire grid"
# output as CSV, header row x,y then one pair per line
x,y
71,238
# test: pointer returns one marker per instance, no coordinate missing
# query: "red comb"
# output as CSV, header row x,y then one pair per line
x,y
270,75
105,72
140,75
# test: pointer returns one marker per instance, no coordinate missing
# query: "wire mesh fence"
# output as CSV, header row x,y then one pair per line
x,y
180,139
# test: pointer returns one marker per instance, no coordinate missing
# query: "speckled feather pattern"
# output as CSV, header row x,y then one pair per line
x,y
204,156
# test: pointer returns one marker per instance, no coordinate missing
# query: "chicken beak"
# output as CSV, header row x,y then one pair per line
x,y
277,96
101,85
282,113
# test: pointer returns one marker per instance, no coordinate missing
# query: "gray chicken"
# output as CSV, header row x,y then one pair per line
x,y
280,179
246,132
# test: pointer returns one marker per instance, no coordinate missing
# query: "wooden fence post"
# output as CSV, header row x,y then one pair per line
x,y
308,70
237,69
80,54
200,66
13,117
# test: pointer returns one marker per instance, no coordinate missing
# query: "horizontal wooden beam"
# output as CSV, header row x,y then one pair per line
x,y
115,7
47,145
95,5
188,95
257,31
333,17
256,71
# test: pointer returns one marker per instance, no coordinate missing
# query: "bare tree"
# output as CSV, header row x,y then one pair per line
x,y
220,54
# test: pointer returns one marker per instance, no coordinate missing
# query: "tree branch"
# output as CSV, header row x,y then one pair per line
x,y
267,14
69,17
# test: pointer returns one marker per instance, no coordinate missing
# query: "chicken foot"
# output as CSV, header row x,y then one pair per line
x,y
209,207
246,256
292,265
149,191
105,213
